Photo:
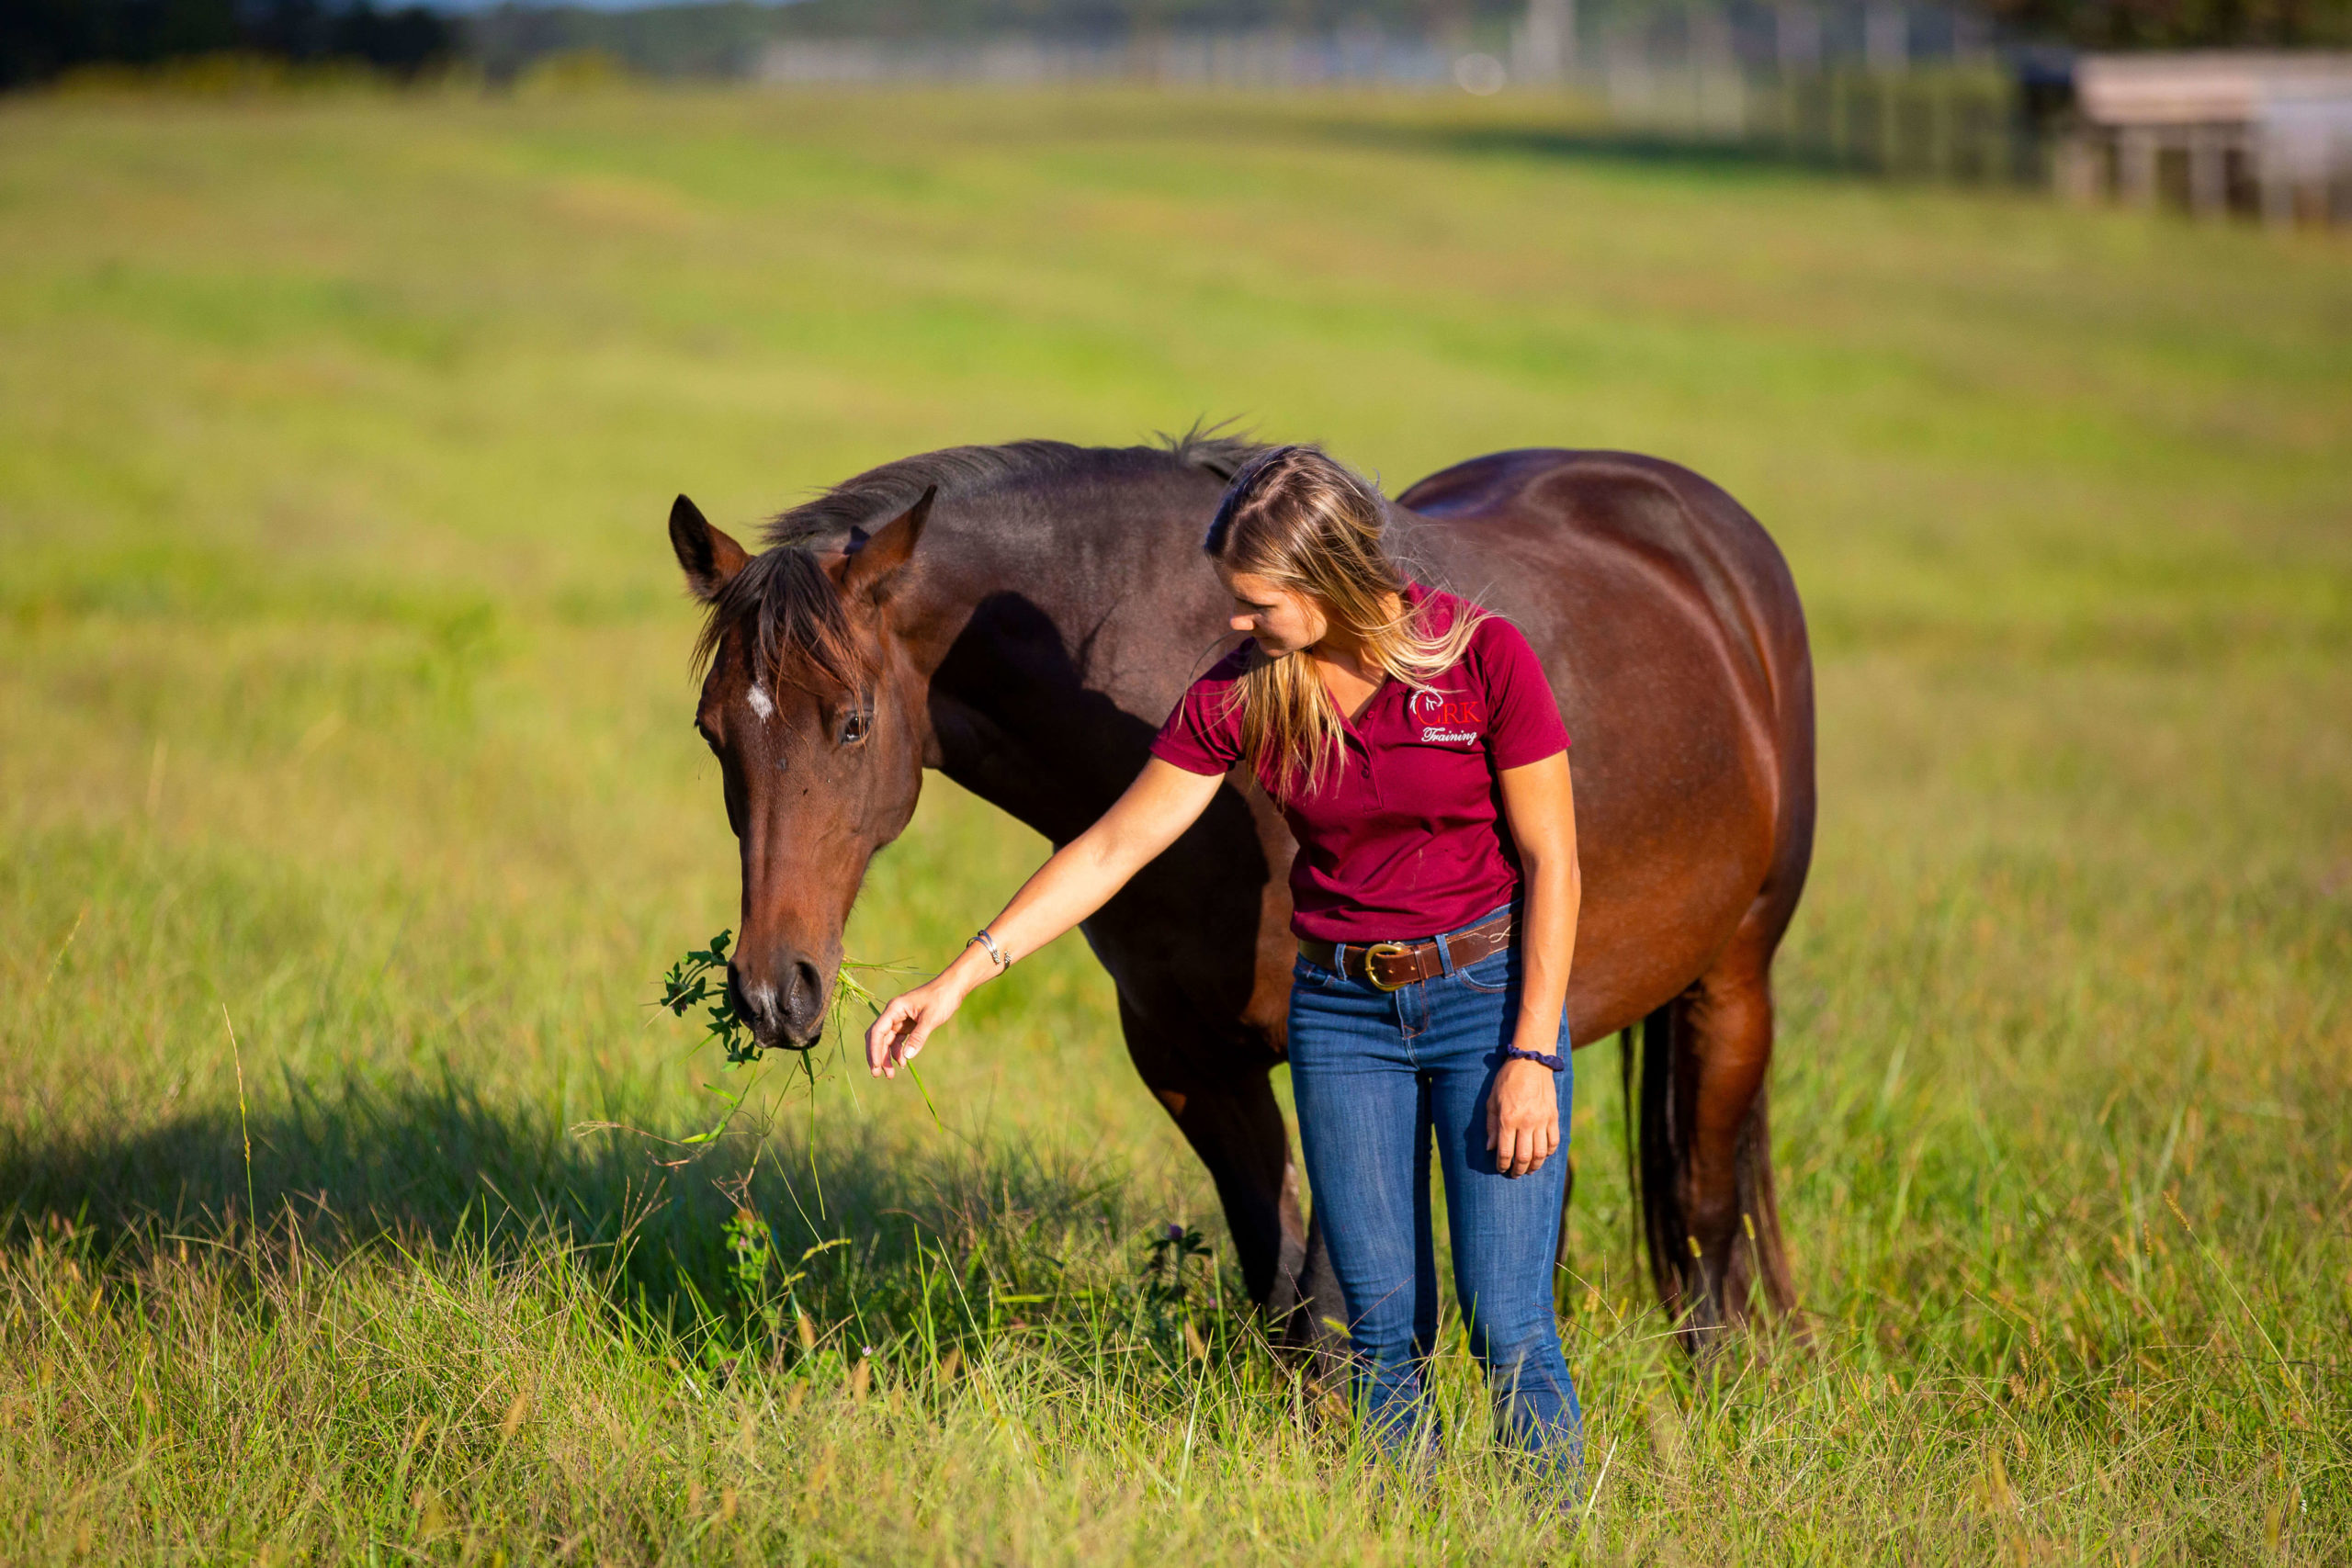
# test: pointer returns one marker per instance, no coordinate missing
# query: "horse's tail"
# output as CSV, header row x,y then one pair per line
x,y
1657,1149
1653,1151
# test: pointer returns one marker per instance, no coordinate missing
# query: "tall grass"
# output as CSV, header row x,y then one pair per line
x,y
342,688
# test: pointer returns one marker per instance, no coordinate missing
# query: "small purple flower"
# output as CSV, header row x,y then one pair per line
x,y
1175,1231
867,1351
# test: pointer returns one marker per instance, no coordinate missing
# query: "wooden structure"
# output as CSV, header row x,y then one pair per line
x,y
2215,133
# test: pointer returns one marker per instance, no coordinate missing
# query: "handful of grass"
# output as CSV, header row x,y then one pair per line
x,y
699,979
689,983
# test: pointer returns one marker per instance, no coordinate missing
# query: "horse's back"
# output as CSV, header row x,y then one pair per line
x,y
1553,509
1672,633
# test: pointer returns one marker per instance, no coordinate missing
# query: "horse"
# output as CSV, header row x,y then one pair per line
x,y
1022,618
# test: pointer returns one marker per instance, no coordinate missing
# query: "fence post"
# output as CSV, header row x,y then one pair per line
x,y
2136,156
2271,176
1837,116
1718,103
1548,41
1886,39
1943,103
1796,38
2208,189
2076,167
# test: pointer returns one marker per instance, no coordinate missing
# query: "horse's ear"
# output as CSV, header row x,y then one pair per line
x,y
874,563
708,556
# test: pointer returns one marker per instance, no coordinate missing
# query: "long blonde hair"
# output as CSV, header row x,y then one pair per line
x,y
1306,523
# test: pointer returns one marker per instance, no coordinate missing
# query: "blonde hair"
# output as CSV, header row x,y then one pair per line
x,y
1306,523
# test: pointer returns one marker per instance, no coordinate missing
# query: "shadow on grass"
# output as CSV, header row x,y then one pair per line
x,y
1602,145
436,1164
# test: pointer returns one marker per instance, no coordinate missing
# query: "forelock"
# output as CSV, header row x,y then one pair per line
x,y
794,622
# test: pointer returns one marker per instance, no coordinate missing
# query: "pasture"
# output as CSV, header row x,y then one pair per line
x,y
344,704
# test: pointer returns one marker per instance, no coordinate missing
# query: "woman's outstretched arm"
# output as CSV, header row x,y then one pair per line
x,y
1080,879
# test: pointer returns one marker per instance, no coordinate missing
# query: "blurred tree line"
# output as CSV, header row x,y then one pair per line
x,y
694,37
2091,23
39,39
2177,24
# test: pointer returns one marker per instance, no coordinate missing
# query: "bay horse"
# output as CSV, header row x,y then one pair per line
x,y
1022,618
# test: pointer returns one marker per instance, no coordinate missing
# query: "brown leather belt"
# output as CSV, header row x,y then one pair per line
x,y
1392,966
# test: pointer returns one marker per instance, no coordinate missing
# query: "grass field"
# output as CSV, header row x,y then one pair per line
x,y
344,702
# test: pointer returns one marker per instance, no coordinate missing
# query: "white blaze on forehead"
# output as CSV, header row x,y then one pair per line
x,y
760,702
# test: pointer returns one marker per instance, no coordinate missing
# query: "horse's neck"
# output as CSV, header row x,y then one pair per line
x,y
1044,698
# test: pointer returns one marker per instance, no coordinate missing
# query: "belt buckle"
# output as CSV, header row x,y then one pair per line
x,y
1378,951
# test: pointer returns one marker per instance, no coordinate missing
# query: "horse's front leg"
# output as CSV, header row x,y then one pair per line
x,y
1227,1110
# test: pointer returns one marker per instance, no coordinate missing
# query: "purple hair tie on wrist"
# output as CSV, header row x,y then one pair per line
x,y
1552,1062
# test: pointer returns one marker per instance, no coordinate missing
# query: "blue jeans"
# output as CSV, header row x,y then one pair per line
x,y
1376,1074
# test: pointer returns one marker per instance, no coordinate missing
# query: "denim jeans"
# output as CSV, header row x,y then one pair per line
x,y
1376,1075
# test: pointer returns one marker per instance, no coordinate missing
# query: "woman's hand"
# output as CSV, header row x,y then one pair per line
x,y
905,1021
1522,1116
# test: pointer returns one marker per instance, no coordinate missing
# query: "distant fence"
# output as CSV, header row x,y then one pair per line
x,y
1231,59
1963,123
1547,47
1908,91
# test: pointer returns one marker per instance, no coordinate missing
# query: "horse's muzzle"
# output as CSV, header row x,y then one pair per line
x,y
783,1001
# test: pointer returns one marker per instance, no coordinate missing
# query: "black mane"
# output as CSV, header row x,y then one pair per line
x,y
790,609
878,495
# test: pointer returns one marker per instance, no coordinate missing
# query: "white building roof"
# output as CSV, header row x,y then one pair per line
x,y
2213,87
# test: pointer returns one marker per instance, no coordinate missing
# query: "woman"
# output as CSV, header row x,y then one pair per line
x,y
1414,746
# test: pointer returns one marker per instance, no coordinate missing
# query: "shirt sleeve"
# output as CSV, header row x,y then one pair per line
x,y
1204,735
1523,717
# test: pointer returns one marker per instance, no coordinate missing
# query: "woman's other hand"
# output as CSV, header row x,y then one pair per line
x,y
905,1021
1523,1116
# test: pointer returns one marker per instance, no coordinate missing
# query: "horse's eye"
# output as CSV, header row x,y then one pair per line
x,y
854,725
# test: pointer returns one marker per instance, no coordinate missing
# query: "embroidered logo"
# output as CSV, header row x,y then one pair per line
x,y
1447,720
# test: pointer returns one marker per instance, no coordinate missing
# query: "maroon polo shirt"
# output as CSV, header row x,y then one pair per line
x,y
1408,839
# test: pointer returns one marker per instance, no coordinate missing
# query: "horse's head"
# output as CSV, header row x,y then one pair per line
x,y
817,720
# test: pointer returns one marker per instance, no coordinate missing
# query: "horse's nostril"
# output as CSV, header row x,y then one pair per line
x,y
805,998
753,1004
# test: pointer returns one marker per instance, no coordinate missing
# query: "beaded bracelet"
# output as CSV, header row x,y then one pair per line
x,y
1552,1062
